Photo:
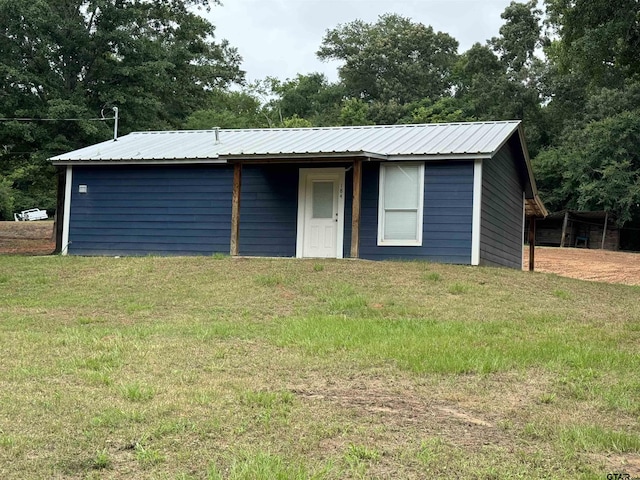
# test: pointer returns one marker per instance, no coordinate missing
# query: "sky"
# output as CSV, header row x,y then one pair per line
x,y
279,38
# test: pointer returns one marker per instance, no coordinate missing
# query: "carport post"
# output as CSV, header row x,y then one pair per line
x,y
604,230
564,228
532,243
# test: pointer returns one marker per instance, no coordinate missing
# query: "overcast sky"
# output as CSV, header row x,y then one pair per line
x,y
279,38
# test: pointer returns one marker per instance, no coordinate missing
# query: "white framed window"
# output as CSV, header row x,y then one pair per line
x,y
400,204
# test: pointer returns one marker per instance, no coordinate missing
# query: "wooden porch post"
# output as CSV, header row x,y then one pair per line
x,y
235,209
564,228
532,243
604,232
355,208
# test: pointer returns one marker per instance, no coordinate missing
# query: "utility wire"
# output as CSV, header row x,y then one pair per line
x,y
25,119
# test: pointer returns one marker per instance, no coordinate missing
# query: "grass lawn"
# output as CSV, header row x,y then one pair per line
x,y
220,368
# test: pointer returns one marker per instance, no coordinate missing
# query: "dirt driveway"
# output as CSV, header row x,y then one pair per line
x,y
27,238
36,238
586,264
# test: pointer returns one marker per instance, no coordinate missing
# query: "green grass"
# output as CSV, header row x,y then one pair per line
x,y
594,438
147,457
432,276
101,460
361,453
264,465
247,369
458,288
136,392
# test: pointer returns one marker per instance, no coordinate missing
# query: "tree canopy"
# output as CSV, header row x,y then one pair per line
x,y
593,80
73,59
394,59
570,69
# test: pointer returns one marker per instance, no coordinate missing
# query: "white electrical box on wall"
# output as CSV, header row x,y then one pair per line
x,y
82,189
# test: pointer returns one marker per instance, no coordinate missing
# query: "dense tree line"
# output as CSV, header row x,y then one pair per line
x,y
156,60
569,68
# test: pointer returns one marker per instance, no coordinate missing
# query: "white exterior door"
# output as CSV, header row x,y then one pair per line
x,y
320,213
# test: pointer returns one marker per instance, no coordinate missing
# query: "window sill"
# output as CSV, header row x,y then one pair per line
x,y
399,243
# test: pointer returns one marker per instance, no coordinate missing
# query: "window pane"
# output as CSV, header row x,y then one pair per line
x,y
322,199
401,186
400,225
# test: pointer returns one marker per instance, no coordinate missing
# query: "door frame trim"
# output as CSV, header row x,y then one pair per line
x,y
303,176
66,212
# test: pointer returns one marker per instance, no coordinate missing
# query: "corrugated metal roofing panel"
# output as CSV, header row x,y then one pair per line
x,y
458,139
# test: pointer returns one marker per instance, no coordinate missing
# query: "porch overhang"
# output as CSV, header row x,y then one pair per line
x,y
533,207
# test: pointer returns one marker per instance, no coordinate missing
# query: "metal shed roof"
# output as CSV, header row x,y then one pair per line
x,y
390,142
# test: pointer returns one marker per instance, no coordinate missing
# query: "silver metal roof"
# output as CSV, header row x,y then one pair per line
x,y
390,142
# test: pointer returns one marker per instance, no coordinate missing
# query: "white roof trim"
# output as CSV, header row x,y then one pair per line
x,y
116,161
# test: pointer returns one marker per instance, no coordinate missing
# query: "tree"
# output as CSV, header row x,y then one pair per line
x,y
154,59
354,112
593,80
501,80
229,110
448,109
600,38
596,168
520,36
481,84
296,122
518,48
311,97
394,59
6,198
596,45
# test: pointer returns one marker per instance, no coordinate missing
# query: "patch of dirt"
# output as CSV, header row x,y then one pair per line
x,y
622,463
27,238
494,418
413,409
587,264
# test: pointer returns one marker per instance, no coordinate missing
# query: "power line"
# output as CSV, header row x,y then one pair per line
x,y
26,119
102,118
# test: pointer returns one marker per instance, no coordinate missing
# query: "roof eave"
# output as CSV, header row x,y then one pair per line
x,y
439,156
311,156
129,161
527,160
248,157
534,207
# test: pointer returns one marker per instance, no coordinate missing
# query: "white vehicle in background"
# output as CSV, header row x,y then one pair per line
x,y
30,215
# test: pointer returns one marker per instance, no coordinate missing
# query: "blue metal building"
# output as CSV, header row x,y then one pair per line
x,y
454,193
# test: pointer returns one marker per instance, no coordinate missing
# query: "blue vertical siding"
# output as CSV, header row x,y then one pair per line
x,y
167,210
448,210
501,214
269,210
